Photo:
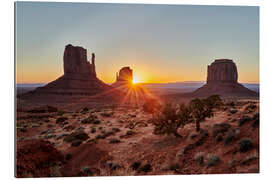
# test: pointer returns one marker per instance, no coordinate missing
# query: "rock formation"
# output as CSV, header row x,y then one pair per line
x,y
79,75
222,79
75,61
124,77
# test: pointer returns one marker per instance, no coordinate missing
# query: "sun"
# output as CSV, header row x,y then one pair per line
x,y
135,80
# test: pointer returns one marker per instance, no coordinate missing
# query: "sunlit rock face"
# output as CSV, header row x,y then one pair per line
x,y
79,75
222,79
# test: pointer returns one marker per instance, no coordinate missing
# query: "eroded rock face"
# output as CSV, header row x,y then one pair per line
x,y
222,79
222,70
75,61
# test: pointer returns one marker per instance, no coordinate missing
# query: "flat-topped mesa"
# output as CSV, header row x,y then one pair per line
x,y
222,71
222,79
75,61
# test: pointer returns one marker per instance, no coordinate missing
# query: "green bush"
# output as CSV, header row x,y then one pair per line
x,y
171,118
203,108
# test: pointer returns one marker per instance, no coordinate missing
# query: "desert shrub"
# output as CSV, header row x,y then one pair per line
x,y
146,168
113,165
84,110
116,130
107,114
114,141
203,108
49,136
171,118
202,136
109,133
96,122
249,158
231,136
93,130
212,160
74,115
61,120
130,132
244,119
213,101
99,136
199,157
220,128
45,131
86,171
251,107
245,145
61,136
174,167
22,129
233,111
135,165
219,137
89,119
60,113
230,104
76,142
151,106
77,135
256,119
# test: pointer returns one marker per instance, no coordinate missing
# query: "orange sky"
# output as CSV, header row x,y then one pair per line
x,y
162,44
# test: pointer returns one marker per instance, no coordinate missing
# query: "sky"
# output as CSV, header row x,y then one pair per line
x,y
161,43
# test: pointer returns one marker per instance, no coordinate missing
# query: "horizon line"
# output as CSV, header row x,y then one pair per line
x,y
249,82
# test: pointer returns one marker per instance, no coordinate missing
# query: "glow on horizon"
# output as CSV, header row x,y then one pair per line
x,y
162,44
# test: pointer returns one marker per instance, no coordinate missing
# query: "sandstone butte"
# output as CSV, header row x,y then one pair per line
x,y
79,77
124,77
222,79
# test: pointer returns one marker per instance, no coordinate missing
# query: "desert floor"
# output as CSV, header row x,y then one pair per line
x,y
78,140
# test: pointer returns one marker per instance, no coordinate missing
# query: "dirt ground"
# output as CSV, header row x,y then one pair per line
x,y
119,140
